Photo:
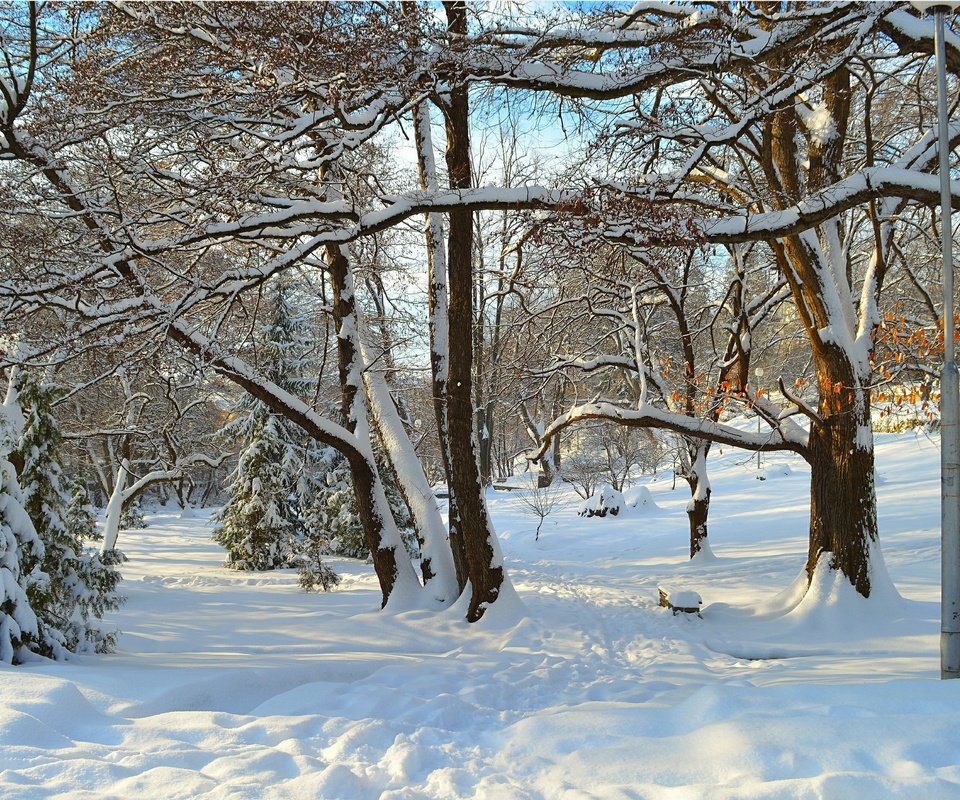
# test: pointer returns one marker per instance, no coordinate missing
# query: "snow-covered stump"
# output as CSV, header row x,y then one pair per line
x,y
680,602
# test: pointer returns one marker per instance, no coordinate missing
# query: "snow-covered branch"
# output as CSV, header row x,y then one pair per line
x,y
793,439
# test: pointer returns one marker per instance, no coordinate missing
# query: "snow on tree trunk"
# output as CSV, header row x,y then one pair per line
x,y
398,581
843,503
437,566
111,517
698,507
439,327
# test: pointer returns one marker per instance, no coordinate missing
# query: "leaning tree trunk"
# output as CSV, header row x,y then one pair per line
x,y
484,560
436,562
390,559
843,501
111,519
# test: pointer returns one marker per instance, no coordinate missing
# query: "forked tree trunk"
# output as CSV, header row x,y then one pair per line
x,y
390,559
436,560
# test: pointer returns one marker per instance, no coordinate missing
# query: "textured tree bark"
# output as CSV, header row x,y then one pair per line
x,y
843,502
484,568
843,510
698,507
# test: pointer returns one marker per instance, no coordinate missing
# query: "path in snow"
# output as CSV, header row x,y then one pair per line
x,y
234,685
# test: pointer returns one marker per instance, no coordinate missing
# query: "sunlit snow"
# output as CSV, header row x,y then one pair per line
x,y
230,684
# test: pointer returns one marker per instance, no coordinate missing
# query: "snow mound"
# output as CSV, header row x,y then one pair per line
x,y
640,499
826,616
774,471
606,500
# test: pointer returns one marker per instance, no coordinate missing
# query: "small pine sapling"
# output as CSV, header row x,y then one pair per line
x,y
132,516
81,520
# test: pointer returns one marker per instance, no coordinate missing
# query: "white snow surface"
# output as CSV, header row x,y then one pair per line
x,y
237,685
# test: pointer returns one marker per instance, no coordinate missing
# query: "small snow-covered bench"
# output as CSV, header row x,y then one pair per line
x,y
685,602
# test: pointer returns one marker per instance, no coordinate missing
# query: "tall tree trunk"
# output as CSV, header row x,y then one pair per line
x,y
843,502
439,327
484,560
843,511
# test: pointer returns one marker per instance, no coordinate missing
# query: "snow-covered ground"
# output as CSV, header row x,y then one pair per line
x,y
235,685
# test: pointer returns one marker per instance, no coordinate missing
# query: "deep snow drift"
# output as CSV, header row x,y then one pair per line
x,y
236,685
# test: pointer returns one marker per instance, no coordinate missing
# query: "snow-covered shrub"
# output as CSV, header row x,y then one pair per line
x,y
606,500
773,471
80,584
21,553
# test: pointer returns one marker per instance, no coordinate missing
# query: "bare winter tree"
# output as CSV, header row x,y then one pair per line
x,y
756,121
164,162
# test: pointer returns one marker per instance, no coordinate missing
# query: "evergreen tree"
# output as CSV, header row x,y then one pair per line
x,y
81,521
81,584
132,516
261,526
21,552
331,516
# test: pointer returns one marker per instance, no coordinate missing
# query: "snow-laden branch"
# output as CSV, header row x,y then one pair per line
x,y
791,438
719,46
915,34
868,184
122,493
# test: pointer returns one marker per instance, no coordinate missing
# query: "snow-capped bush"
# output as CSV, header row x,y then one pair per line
x,y
606,500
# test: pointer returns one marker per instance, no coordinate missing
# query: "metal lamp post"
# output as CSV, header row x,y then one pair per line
x,y
949,381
